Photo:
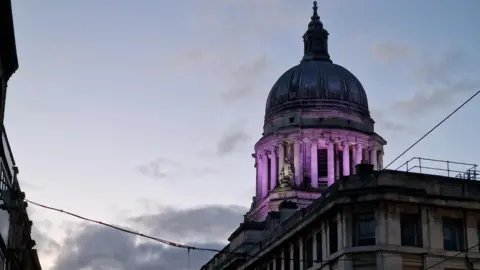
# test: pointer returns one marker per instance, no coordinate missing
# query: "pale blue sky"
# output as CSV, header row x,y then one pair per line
x,y
105,87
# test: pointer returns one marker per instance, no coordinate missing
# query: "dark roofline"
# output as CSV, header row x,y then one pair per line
x,y
8,47
252,225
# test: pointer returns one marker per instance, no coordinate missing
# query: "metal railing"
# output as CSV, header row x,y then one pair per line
x,y
441,167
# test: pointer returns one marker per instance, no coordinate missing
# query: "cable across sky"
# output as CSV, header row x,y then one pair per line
x,y
190,248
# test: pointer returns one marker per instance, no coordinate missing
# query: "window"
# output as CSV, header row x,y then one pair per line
x,y
364,230
278,263
287,259
296,256
453,234
333,236
322,162
318,241
338,162
308,251
411,230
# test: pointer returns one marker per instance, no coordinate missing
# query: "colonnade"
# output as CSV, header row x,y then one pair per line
x,y
270,162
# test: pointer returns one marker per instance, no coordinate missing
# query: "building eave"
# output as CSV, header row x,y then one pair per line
x,y
8,48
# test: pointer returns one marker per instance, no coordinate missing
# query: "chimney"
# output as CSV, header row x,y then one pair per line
x,y
364,168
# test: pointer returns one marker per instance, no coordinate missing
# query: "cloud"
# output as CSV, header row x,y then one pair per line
x,y
391,52
424,102
441,79
232,138
162,168
44,243
97,247
158,168
383,122
200,224
245,78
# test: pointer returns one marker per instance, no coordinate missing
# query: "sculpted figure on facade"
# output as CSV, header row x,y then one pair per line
x,y
286,174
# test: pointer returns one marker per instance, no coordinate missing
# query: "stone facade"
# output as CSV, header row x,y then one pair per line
x,y
323,199
388,219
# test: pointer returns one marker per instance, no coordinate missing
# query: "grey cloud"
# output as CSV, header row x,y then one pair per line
x,y
44,243
441,80
424,102
203,223
245,78
162,168
391,52
384,122
443,67
158,168
96,247
231,139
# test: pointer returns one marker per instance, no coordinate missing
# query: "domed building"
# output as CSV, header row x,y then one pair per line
x,y
323,199
317,128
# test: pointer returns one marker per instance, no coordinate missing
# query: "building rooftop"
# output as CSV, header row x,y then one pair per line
x,y
417,179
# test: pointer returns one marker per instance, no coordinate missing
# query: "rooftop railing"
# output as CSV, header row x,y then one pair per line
x,y
441,167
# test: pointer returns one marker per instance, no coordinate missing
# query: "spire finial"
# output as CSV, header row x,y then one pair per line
x,y
315,9
315,39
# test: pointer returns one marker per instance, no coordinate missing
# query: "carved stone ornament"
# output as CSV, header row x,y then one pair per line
x,y
286,174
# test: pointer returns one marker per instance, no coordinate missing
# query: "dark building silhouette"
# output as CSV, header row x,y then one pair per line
x,y
8,51
16,244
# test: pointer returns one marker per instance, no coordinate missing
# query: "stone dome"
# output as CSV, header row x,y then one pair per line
x,y
316,83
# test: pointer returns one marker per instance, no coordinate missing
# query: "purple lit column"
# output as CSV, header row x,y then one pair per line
x,y
346,158
358,154
273,168
373,158
331,163
314,165
296,162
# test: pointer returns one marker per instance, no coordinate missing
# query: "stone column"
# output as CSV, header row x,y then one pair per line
x,y
358,154
346,158
257,186
380,160
296,161
281,156
273,168
331,165
314,165
263,177
373,158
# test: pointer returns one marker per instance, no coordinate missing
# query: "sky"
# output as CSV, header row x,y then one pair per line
x,y
144,113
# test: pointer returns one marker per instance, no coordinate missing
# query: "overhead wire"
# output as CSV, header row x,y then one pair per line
x,y
376,173
191,248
